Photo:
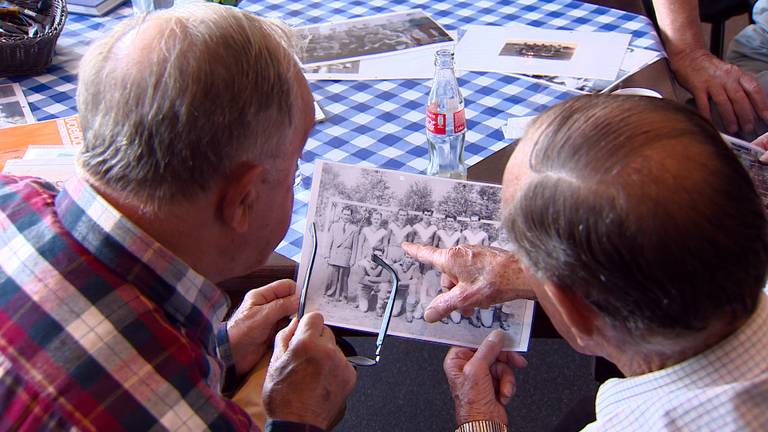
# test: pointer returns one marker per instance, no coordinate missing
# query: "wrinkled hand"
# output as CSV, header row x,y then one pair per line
x,y
253,325
736,94
473,276
309,378
482,382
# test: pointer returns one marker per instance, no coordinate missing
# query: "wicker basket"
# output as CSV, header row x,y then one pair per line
x,y
21,55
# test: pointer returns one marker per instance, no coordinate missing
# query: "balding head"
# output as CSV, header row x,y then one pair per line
x,y
171,102
638,206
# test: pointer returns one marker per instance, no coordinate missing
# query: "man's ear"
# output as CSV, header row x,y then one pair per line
x,y
578,314
240,196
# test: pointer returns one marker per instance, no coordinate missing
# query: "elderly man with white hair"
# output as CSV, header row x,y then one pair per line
x,y
110,317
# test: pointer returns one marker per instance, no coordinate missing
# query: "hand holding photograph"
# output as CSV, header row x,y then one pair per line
x,y
362,215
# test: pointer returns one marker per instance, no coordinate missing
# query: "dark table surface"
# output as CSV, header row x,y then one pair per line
x,y
657,76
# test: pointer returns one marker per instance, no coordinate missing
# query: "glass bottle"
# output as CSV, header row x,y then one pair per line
x,y
446,123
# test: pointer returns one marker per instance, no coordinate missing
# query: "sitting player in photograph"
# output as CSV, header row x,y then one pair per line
x,y
410,283
371,280
399,232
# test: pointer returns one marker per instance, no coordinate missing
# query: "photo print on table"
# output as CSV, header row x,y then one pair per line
x,y
361,211
546,50
369,37
14,109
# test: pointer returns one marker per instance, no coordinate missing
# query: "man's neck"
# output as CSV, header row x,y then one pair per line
x,y
669,352
171,229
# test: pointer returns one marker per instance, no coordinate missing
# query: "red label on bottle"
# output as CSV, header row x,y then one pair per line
x,y
459,122
435,122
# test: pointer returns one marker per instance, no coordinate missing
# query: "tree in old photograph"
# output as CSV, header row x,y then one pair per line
x,y
372,188
417,197
464,199
332,189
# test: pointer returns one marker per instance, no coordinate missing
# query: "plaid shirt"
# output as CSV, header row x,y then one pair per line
x,y
101,327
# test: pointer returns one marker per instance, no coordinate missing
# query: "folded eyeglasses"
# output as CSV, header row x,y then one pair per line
x,y
387,317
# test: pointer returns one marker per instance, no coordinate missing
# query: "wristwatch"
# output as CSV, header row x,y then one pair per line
x,y
482,426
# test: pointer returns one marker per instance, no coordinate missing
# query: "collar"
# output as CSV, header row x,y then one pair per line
x,y
744,353
188,299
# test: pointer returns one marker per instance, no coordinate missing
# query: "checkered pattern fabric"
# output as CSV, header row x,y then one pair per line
x,y
377,123
722,389
101,327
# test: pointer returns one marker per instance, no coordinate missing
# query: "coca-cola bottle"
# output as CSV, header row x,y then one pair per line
x,y
446,123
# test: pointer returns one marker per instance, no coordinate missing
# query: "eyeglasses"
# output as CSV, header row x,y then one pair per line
x,y
355,360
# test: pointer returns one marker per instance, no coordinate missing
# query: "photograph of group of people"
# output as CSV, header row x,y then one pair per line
x,y
370,36
361,212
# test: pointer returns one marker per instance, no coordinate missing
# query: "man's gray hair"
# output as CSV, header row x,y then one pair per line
x,y
171,102
638,206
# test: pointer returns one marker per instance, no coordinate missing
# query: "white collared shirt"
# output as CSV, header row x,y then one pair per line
x,y
722,389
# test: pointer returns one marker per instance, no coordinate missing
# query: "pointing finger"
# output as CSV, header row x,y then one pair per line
x,y
447,302
427,254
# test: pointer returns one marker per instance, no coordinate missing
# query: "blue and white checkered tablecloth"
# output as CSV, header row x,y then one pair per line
x,y
375,123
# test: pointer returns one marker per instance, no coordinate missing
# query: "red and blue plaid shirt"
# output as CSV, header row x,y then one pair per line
x,y
101,327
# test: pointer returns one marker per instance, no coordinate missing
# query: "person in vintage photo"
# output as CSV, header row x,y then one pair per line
x,y
373,236
473,235
342,240
410,280
503,241
399,232
424,231
370,279
447,237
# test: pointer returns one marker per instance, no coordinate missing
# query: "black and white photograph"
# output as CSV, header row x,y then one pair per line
x,y
361,212
520,49
7,91
546,50
370,36
14,109
634,60
351,67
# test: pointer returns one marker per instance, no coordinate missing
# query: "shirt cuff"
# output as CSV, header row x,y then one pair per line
x,y
225,355
289,426
482,426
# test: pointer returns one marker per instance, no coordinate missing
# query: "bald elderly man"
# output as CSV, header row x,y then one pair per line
x,y
110,316
644,240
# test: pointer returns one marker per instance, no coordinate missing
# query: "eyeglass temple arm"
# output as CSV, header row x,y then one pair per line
x,y
390,304
305,287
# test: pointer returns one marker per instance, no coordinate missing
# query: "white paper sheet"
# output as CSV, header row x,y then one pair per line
x,y
56,171
407,65
530,50
370,37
